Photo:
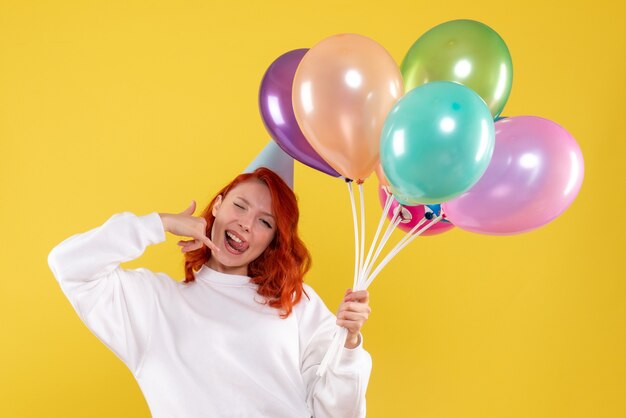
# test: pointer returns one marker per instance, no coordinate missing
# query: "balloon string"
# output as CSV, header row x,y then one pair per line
x,y
409,234
334,349
356,234
341,334
403,243
395,220
413,234
355,285
383,216
343,337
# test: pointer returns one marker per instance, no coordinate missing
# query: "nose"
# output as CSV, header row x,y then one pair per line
x,y
245,222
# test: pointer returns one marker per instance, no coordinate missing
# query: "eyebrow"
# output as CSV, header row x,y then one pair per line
x,y
248,203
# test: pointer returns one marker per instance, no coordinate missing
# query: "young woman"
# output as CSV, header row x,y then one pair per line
x,y
242,335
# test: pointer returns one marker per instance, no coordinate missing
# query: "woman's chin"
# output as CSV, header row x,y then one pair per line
x,y
228,260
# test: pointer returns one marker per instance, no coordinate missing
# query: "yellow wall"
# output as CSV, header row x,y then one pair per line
x,y
108,106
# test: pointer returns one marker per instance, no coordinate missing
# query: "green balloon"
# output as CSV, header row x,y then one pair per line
x,y
466,52
436,143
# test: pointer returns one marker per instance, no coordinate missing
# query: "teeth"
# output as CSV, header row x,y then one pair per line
x,y
234,238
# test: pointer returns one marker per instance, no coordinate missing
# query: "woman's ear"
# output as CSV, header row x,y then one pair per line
x,y
216,205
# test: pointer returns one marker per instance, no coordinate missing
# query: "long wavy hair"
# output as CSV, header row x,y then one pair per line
x,y
279,270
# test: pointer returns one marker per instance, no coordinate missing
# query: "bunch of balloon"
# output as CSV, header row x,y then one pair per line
x,y
442,153
326,107
344,108
534,170
439,138
439,146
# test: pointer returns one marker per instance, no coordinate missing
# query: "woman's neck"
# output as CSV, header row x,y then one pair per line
x,y
214,264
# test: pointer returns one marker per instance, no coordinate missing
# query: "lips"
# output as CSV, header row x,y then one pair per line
x,y
235,243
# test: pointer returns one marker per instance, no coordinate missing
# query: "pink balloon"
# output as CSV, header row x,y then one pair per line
x,y
535,173
417,213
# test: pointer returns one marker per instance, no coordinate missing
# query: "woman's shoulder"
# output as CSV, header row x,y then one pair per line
x,y
309,294
311,303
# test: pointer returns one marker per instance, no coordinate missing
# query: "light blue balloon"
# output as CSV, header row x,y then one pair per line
x,y
436,142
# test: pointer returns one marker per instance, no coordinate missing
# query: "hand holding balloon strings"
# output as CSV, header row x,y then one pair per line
x,y
363,278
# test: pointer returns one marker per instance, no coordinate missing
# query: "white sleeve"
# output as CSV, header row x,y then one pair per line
x,y
341,391
116,304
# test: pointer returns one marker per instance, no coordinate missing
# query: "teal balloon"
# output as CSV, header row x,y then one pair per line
x,y
464,51
436,143
402,198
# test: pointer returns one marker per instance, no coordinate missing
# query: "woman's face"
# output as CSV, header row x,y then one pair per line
x,y
244,226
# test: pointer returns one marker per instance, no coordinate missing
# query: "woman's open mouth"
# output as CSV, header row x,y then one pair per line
x,y
234,243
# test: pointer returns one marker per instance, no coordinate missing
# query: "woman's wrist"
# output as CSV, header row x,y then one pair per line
x,y
352,341
164,221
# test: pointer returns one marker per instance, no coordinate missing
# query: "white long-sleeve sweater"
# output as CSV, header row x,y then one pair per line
x,y
207,348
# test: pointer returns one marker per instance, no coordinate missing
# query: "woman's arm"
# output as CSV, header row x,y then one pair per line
x,y
341,391
123,237
86,256
116,304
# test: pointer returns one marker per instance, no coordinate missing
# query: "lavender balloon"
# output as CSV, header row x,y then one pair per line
x,y
535,173
277,111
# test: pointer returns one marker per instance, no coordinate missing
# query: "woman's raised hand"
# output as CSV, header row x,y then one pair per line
x,y
184,224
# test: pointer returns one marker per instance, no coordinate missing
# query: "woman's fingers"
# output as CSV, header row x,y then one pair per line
x,y
189,245
352,326
190,209
360,296
361,311
196,244
210,244
353,316
355,307
354,311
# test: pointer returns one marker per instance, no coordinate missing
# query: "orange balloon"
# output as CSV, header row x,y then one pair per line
x,y
343,90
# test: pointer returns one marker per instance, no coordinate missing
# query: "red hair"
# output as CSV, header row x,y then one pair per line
x,y
279,270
